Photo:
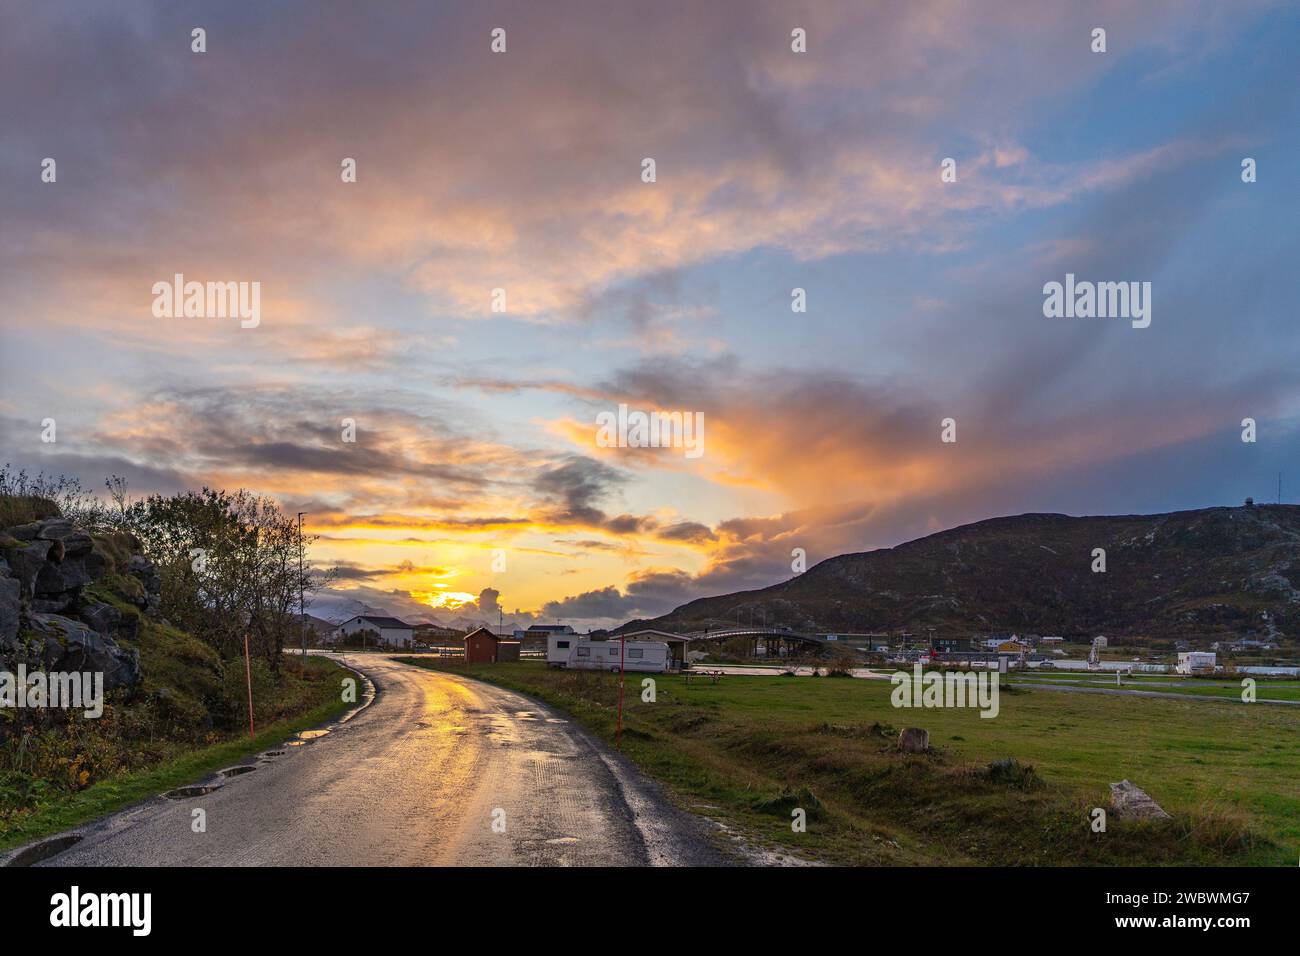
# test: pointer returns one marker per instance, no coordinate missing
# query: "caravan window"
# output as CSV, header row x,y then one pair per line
x,y
562,645
636,652
584,652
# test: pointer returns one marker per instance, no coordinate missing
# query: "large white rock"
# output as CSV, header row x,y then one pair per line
x,y
1130,802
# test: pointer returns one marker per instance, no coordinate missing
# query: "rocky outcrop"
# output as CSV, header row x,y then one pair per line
x,y
47,620
11,606
72,646
142,569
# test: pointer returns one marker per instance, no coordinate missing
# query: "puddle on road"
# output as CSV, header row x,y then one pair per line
x,y
525,715
305,737
237,771
272,753
556,720
182,793
45,850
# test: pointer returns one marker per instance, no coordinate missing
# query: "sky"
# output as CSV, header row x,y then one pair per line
x,y
477,484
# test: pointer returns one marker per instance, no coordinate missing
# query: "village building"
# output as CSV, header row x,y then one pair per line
x,y
484,647
388,631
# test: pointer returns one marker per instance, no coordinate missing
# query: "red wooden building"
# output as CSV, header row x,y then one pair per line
x,y
484,647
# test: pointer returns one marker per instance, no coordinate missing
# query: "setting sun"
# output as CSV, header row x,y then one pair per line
x,y
451,600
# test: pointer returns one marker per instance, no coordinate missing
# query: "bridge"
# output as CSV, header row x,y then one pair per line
x,y
778,641
723,634
769,635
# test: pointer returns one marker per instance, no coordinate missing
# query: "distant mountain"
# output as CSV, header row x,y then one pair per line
x,y
319,625
336,609
1210,572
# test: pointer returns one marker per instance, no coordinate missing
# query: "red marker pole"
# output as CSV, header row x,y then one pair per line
x,y
248,672
622,648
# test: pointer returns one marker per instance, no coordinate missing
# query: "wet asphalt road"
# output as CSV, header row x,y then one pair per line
x,y
417,778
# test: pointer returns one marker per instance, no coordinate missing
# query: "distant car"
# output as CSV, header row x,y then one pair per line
x,y
1047,666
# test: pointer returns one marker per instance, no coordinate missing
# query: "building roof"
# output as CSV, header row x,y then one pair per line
x,y
492,634
379,621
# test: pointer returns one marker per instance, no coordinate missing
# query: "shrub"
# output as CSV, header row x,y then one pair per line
x,y
1012,773
24,509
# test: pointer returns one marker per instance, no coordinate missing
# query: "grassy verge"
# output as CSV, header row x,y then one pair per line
x,y
750,750
1265,688
322,704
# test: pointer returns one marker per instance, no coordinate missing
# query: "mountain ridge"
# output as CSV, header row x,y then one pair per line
x,y
1218,571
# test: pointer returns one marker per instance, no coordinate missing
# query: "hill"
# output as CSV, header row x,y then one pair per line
x,y
1204,573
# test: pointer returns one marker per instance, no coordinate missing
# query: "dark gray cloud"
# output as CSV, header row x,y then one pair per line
x,y
691,531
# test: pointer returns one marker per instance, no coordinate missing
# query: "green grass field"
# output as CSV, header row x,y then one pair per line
x,y
1265,688
749,750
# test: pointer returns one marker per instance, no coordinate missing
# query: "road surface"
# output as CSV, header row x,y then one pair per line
x,y
417,778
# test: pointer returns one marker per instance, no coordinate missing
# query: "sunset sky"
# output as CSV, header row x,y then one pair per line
x,y
775,170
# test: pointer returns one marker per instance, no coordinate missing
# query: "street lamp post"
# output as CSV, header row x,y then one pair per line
x,y
302,607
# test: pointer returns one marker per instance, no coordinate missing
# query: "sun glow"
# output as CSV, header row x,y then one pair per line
x,y
451,600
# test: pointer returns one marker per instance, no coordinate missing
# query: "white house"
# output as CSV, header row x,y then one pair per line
x,y
391,631
543,630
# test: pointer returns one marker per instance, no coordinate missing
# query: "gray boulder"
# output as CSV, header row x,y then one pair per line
x,y
25,563
58,579
25,532
54,604
11,604
55,529
913,740
1129,802
104,618
72,646
78,544
143,570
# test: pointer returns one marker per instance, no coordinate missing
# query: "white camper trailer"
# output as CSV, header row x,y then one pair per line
x,y
1196,662
558,649
581,653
